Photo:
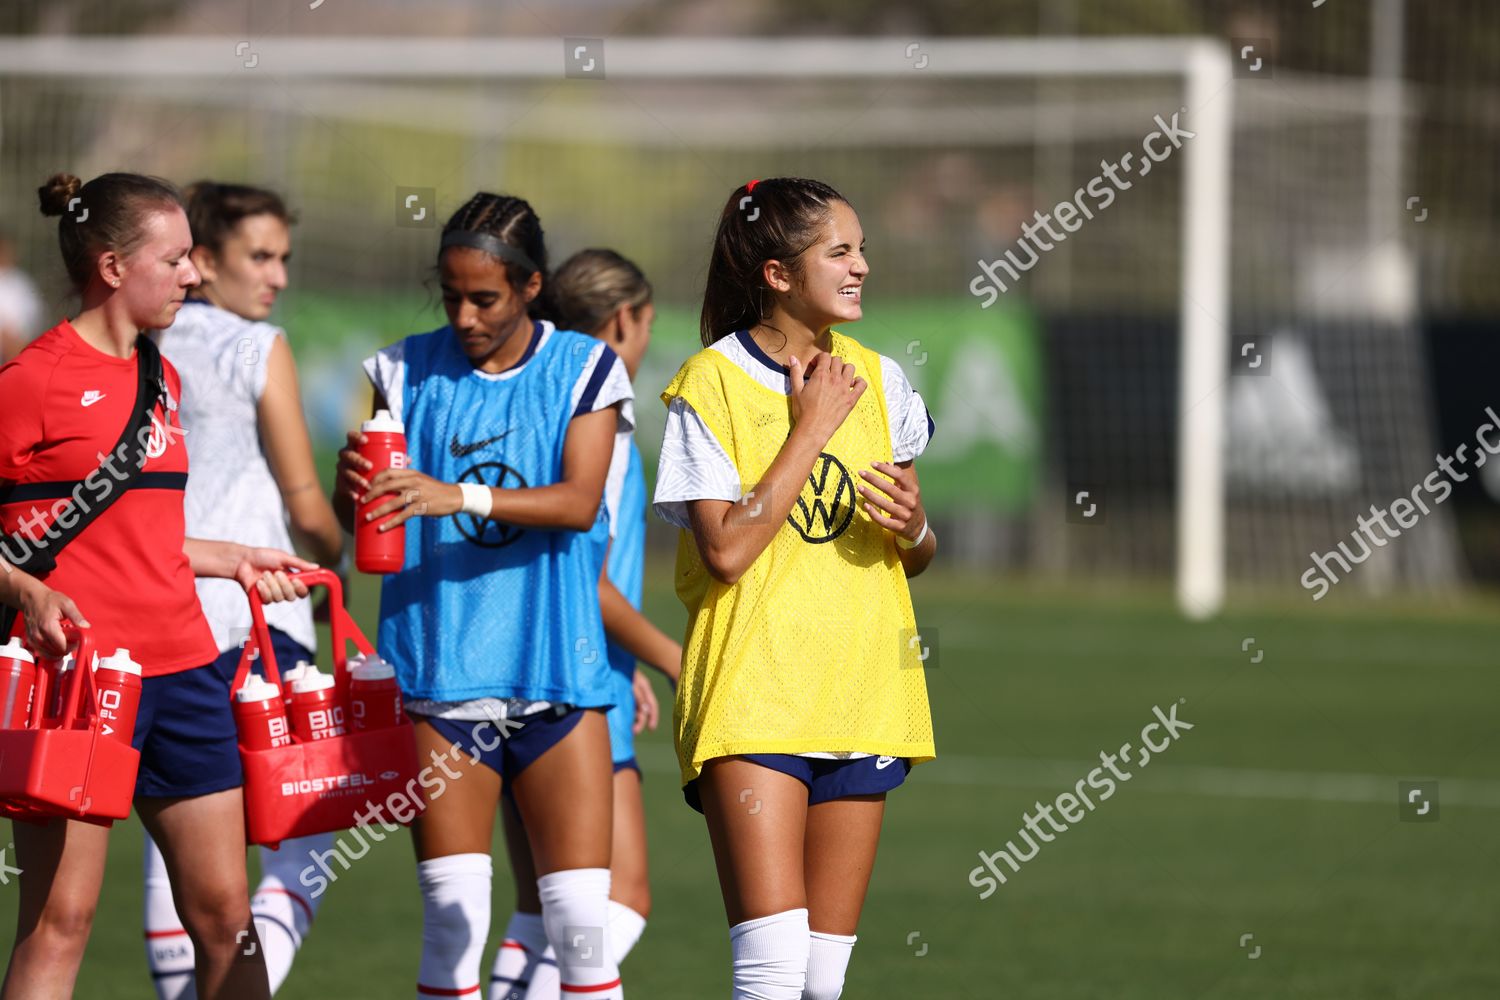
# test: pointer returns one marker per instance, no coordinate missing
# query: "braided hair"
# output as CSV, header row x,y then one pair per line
x,y
512,222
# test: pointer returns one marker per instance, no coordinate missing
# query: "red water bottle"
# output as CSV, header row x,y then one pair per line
x,y
260,715
117,694
17,684
374,695
57,693
316,712
377,551
288,678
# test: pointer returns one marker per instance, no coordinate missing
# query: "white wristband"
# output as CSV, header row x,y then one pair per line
x,y
478,499
919,539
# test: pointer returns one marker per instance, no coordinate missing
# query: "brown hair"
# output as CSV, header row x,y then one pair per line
x,y
107,213
775,219
214,210
590,285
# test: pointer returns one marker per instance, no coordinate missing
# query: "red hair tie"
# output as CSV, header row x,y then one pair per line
x,y
750,188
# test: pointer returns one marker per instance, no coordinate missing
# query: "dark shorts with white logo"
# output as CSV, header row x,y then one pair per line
x,y
826,780
185,732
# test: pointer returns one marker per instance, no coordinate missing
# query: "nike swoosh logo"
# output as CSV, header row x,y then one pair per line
x,y
91,397
461,450
882,763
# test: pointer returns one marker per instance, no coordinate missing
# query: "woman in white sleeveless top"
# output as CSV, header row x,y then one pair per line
x,y
254,481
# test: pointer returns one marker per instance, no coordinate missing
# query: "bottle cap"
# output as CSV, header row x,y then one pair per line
x,y
383,423
372,668
257,688
290,675
312,679
16,650
118,660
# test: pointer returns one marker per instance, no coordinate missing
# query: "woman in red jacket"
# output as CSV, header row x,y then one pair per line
x,y
128,576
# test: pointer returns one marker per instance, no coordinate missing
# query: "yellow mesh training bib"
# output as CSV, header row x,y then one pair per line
x,y
814,648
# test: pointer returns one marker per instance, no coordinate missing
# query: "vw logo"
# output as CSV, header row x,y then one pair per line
x,y
481,530
826,506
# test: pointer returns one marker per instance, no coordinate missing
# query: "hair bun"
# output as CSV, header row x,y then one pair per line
x,y
59,190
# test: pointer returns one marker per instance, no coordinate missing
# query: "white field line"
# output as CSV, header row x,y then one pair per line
x,y
1174,779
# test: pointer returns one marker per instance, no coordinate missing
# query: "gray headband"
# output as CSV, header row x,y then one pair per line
x,y
490,244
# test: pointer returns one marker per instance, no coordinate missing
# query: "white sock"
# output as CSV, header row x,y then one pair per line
x,y
455,923
517,957
575,908
545,982
625,929
770,956
169,950
827,961
282,907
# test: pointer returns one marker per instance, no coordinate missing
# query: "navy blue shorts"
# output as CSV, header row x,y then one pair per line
x,y
826,780
511,746
185,732
632,764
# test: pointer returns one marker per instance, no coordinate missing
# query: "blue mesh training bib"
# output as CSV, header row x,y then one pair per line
x,y
483,608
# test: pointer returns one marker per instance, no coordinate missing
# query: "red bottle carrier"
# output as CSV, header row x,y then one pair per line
x,y
322,786
63,763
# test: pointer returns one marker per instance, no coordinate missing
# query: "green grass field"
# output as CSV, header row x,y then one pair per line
x,y
1275,816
